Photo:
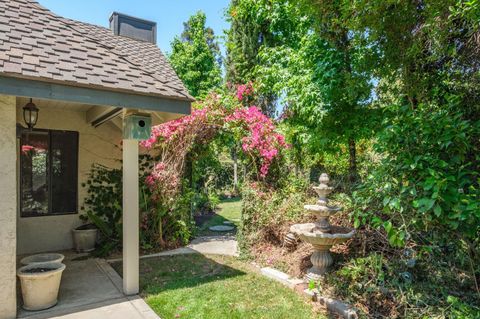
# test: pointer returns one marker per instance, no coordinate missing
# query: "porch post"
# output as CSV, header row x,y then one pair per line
x,y
130,217
8,207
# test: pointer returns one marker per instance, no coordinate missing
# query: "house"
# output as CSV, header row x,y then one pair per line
x,y
82,79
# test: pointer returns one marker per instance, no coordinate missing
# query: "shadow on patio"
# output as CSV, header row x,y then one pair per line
x,y
90,288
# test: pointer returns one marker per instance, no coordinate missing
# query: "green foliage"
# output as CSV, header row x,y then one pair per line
x,y
195,56
256,24
103,208
427,176
266,210
168,223
406,286
103,204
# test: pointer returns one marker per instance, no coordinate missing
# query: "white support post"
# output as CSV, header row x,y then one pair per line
x,y
130,218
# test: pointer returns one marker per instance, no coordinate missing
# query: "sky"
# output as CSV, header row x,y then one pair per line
x,y
168,14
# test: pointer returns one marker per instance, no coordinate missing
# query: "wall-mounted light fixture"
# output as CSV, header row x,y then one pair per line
x,y
30,114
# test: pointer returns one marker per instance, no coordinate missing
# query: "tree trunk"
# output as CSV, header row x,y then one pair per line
x,y
235,170
189,169
160,232
352,148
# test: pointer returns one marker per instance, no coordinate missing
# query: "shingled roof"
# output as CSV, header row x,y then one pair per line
x,y
40,45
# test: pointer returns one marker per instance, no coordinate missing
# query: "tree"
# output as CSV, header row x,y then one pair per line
x,y
424,58
256,24
196,56
317,71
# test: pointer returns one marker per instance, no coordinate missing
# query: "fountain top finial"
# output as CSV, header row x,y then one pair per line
x,y
324,179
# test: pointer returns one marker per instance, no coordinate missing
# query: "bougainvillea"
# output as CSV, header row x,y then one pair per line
x,y
172,141
245,91
257,135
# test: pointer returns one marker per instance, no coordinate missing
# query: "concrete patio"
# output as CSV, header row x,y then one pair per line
x,y
90,288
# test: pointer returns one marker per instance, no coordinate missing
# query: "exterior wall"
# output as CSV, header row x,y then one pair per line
x,y
96,145
8,204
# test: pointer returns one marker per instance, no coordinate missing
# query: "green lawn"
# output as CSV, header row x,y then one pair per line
x,y
228,210
196,286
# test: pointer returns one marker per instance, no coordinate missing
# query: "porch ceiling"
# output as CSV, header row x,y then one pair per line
x,y
94,112
55,104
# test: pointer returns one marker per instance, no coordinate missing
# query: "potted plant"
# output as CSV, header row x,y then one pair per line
x,y
85,236
40,283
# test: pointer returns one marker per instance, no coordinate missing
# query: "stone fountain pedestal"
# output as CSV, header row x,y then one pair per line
x,y
321,234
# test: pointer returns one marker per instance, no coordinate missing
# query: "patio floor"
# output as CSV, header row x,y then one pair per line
x,y
90,288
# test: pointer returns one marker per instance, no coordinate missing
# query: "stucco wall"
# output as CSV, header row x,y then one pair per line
x,y
96,145
8,204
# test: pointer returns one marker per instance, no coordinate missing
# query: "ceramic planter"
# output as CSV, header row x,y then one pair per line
x,y
40,283
84,238
42,258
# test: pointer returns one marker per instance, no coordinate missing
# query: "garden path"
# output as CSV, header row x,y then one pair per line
x,y
211,242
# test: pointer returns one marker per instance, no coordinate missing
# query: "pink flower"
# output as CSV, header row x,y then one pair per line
x,y
244,90
27,148
260,137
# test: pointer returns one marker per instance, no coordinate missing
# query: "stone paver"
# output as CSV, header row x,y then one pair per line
x,y
221,228
208,245
215,245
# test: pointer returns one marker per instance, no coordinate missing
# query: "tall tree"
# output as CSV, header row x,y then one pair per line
x,y
424,57
196,56
255,24
316,69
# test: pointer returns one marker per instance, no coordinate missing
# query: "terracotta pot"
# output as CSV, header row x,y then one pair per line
x,y
40,283
84,239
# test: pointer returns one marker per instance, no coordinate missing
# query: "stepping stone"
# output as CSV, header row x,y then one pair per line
x,y
221,228
227,222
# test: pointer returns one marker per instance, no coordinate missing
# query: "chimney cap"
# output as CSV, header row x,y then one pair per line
x,y
133,27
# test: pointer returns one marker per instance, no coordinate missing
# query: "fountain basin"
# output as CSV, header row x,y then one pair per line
x,y
321,242
322,211
309,233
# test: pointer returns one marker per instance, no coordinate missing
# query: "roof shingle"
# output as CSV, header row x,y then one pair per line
x,y
36,43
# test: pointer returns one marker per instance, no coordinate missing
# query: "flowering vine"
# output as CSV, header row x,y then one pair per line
x,y
172,141
257,135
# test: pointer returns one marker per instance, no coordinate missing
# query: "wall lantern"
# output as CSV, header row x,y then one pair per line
x,y
30,114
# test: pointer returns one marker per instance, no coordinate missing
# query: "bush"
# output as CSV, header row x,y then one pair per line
x,y
407,285
428,177
103,207
266,210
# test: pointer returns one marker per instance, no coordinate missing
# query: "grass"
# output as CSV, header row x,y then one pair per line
x,y
197,286
228,210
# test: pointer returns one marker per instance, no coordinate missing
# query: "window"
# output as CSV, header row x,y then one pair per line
x,y
48,172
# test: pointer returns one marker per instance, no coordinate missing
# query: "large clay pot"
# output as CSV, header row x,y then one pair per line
x,y
40,284
84,238
42,258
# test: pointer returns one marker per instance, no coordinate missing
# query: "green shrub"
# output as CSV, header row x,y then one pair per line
x,y
266,210
428,177
103,207
406,286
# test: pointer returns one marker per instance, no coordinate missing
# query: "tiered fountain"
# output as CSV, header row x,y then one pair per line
x,y
321,234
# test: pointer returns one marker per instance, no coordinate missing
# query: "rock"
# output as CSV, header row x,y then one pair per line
x,y
227,222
